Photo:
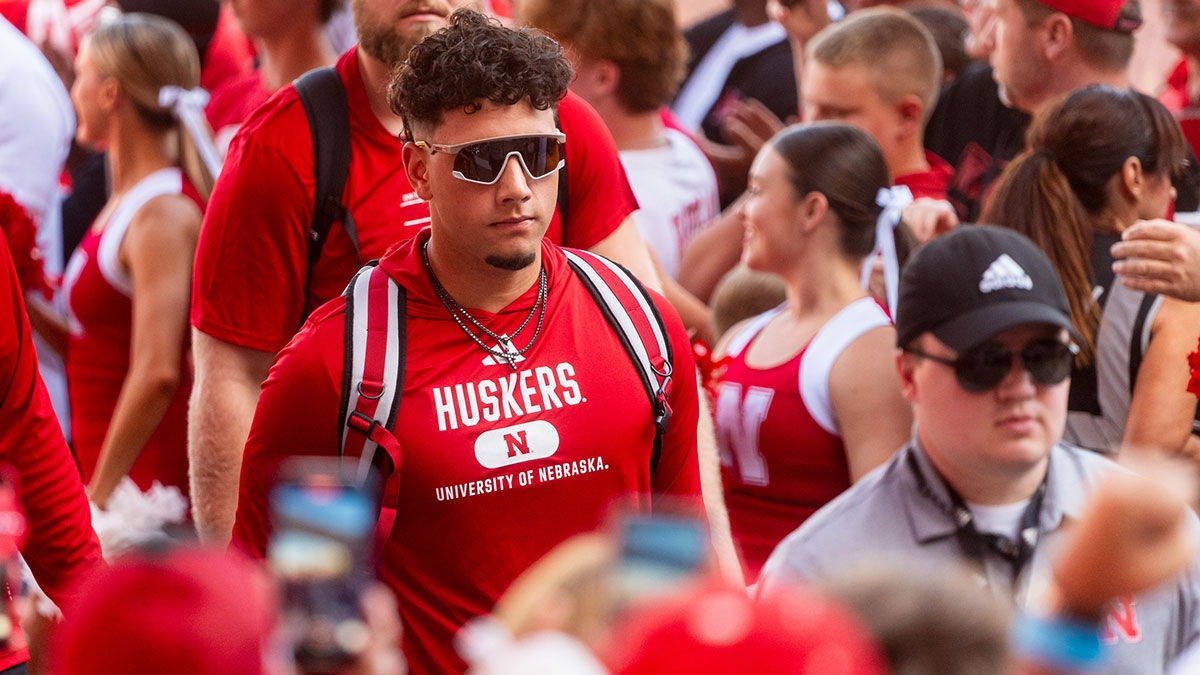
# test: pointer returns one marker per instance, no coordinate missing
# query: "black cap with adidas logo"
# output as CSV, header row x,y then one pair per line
x,y
974,282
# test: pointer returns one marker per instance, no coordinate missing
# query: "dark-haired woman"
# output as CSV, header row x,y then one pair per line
x,y
810,400
1097,162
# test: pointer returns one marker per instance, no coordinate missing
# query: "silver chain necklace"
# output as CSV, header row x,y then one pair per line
x,y
507,351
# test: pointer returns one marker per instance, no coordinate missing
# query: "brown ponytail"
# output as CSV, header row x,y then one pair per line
x,y
1057,193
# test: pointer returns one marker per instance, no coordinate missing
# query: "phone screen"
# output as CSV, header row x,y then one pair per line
x,y
323,522
321,531
659,552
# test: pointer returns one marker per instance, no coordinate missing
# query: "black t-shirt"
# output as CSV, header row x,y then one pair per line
x,y
767,76
972,129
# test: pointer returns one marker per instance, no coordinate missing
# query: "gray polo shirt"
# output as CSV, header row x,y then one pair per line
x,y
884,514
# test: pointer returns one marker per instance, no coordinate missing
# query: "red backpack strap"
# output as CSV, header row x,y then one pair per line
x,y
373,371
632,315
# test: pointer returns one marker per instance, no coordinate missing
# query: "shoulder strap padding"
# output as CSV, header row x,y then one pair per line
x,y
324,99
633,316
373,371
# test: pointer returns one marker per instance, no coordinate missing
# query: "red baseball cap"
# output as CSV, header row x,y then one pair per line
x,y
1106,14
188,612
720,630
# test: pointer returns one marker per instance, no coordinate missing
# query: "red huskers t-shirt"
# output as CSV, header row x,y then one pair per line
x,y
464,531
251,285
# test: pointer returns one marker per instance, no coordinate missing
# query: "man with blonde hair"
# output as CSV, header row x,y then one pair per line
x,y
880,70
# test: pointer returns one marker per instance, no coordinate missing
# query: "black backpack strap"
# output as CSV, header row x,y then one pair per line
x,y
631,313
324,98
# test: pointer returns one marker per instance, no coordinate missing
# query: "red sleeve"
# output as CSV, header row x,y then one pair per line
x,y
252,256
61,549
229,53
598,194
296,415
679,466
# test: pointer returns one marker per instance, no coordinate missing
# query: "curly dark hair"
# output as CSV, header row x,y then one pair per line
x,y
475,59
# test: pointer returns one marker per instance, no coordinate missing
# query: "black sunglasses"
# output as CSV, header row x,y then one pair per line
x,y
983,367
483,161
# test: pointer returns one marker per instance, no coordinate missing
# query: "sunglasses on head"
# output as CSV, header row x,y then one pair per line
x,y
483,161
983,367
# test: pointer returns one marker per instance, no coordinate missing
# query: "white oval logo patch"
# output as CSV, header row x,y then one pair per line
x,y
519,443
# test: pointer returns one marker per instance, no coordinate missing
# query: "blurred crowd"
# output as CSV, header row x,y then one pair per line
x,y
565,336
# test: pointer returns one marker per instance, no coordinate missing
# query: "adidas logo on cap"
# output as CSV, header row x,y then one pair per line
x,y
1004,272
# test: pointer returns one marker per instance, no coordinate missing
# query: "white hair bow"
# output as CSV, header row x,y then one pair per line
x,y
893,200
188,107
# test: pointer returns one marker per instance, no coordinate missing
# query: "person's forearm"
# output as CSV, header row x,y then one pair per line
x,y
219,418
712,253
141,405
695,314
221,409
51,326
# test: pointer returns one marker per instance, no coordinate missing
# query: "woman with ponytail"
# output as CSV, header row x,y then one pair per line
x,y
809,400
1097,162
129,281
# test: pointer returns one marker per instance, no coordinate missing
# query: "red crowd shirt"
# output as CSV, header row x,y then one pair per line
x,y
62,549
234,100
931,183
251,285
1187,111
229,54
463,531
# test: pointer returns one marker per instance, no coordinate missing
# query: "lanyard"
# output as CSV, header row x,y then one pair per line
x,y
973,542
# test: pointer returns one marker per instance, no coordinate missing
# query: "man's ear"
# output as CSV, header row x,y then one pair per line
x,y
905,365
1057,34
603,76
911,113
416,167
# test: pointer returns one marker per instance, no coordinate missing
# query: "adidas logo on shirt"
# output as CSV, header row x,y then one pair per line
x,y
1004,272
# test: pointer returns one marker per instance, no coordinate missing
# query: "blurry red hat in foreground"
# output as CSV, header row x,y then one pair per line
x,y
188,612
720,630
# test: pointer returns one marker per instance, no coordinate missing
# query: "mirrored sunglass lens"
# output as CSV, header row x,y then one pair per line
x,y
476,163
483,162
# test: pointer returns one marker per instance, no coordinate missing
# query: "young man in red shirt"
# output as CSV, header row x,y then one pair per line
x,y
253,283
521,417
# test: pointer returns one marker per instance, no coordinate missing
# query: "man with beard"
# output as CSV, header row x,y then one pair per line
x,y
518,421
254,284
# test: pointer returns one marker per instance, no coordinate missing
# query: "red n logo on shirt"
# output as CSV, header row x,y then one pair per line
x,y
1121,624
517,443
